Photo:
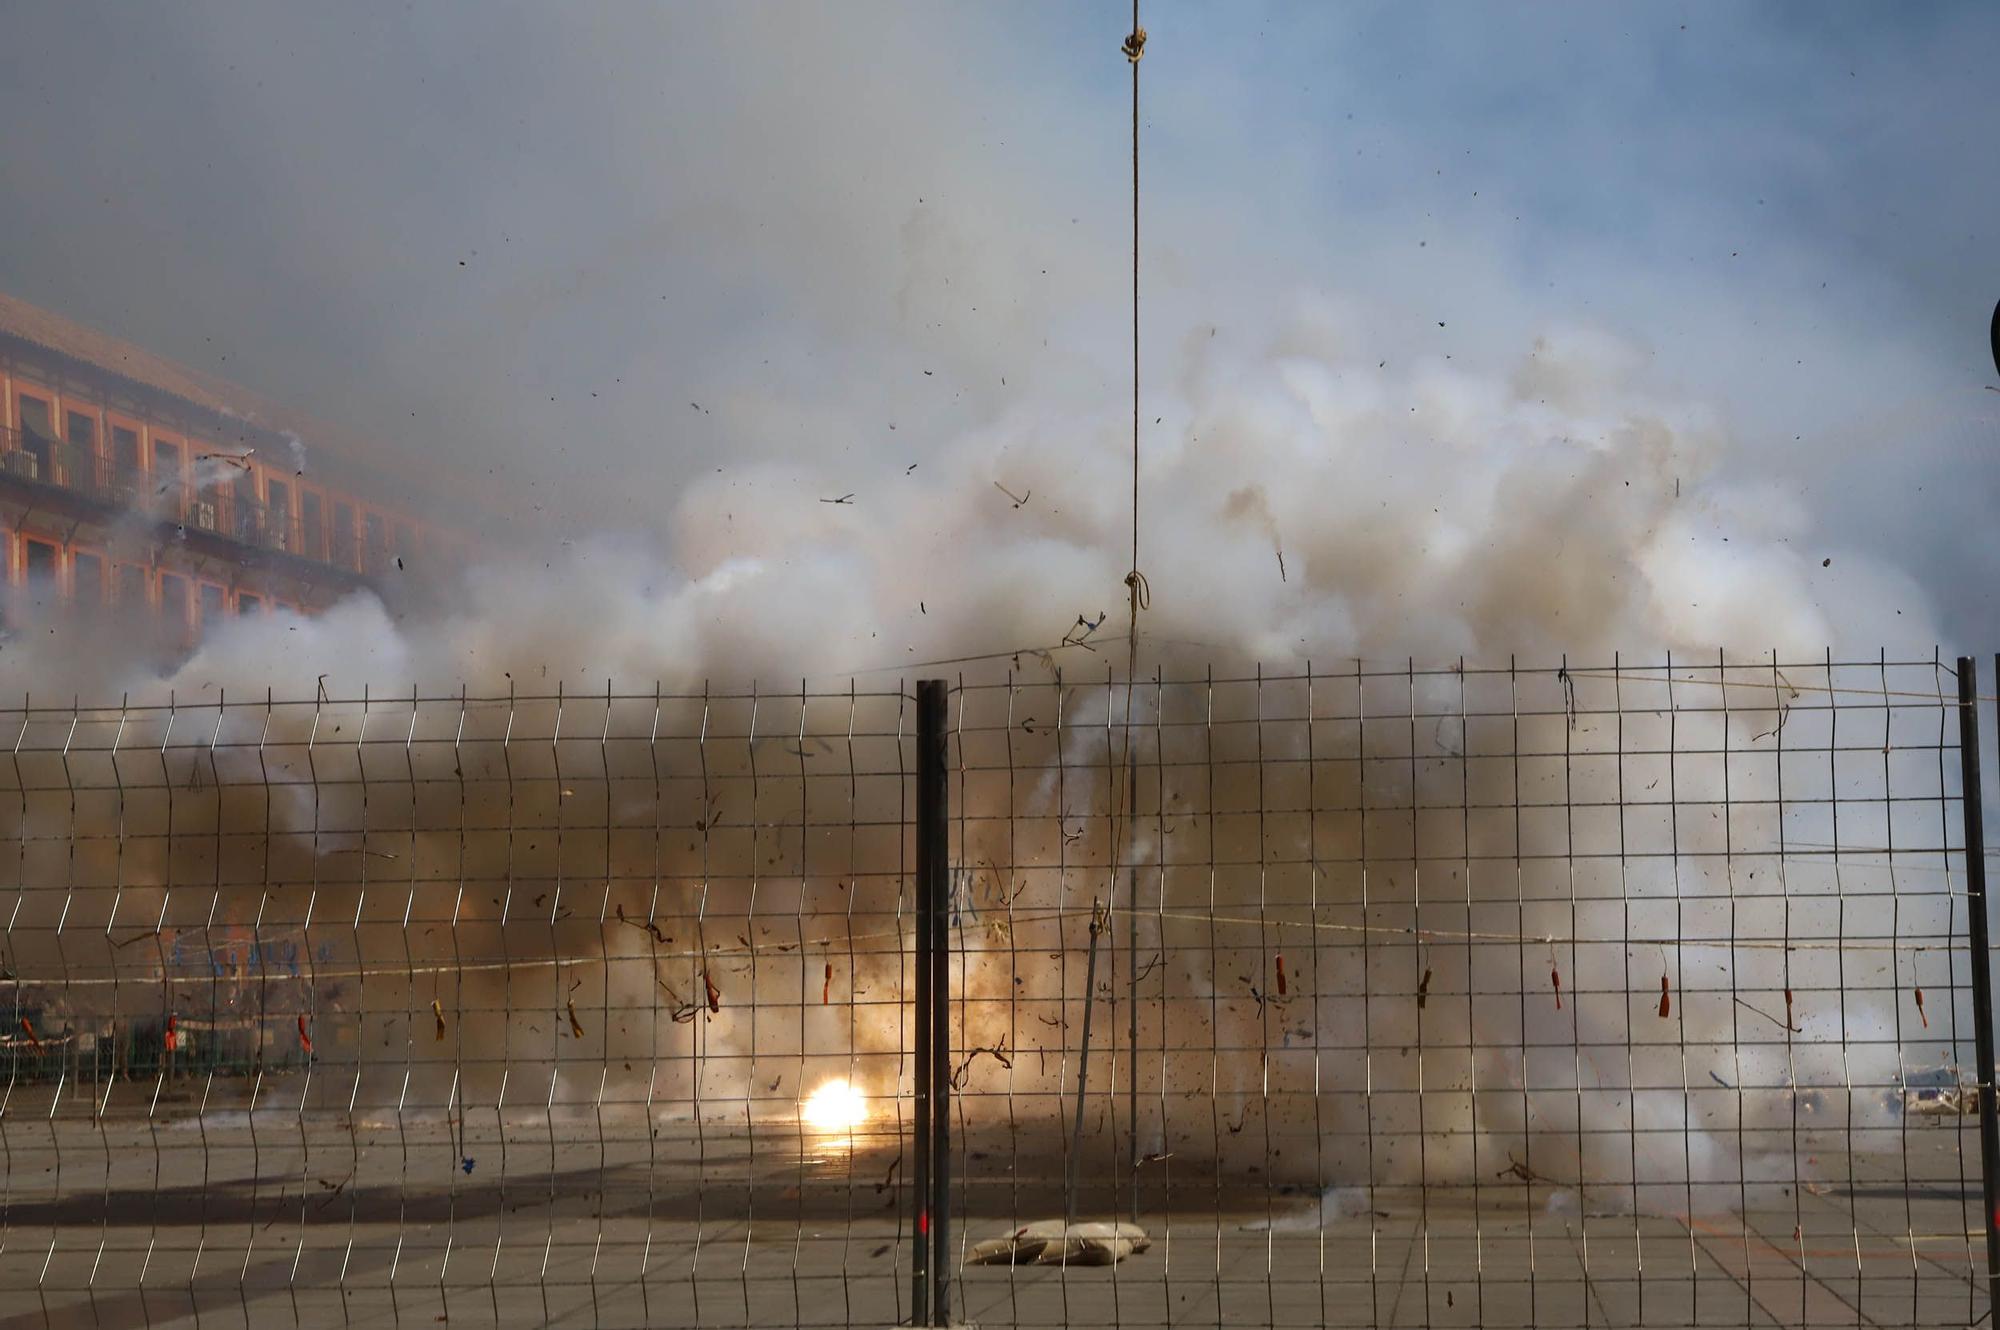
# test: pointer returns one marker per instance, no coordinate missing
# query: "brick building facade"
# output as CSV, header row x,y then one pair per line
x,y
136,487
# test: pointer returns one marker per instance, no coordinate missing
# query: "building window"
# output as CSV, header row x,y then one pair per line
x,y
378,542
125,458
174,603
214,604
80,461
37,442
37,417
343,533
247,603
278,513
248,514
167,477
40,560
312,528
131,585
86,573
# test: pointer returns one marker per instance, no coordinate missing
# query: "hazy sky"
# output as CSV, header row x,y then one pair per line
x,y
529,237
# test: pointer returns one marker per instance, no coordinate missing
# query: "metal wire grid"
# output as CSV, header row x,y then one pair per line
x,y
438,971
497,1010
1474,997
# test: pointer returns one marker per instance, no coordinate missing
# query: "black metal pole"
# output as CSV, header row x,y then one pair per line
x,y
920,1173
1982,975
939,859
1132,953
1075,1169
934,1003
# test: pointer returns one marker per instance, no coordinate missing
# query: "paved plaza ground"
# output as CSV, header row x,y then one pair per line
x,y
225,1219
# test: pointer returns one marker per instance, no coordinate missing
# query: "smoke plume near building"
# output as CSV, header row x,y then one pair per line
x,y
500,851
1561,503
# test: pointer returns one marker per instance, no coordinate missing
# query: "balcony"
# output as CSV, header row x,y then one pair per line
x,y
53,470
262,525
45,461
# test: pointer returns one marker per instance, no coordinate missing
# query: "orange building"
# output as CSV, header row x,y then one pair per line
x,y
133,485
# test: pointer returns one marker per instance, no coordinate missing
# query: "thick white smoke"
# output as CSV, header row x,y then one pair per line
x,y
1557,503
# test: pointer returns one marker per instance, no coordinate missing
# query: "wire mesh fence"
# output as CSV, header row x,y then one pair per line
x,y
1376,996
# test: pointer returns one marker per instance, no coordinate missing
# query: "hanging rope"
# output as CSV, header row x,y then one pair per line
x,y
1139,595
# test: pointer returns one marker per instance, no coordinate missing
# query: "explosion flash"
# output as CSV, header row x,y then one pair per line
x,y
835,1107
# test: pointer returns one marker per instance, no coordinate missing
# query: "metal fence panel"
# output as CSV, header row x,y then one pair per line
x,y
1609,995
1523,996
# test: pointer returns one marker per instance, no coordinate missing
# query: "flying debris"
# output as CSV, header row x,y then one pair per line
x,y
1083,628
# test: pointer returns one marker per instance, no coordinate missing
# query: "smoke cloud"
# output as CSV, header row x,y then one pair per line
x,y
1562,503
838,390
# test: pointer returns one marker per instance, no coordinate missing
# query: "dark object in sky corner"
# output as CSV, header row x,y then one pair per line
x,y
1994,335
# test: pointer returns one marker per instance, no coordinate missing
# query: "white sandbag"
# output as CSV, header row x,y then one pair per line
x,y
1052,1242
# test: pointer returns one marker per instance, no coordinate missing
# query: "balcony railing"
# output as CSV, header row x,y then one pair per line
x,y
43,461
26,455
263,525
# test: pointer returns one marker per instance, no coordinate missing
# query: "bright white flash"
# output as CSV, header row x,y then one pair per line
x,y
836,1106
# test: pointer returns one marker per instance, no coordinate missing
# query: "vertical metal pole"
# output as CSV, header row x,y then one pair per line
x,y
920,1174
1097,922
1982,976
939,859
1132,949
934,1001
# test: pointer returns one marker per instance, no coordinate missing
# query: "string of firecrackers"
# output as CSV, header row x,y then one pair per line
x,y
713,1000
771,950
687,1011
1621,676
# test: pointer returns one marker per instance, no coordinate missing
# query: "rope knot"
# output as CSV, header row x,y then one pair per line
x,y
1135,45
1142,591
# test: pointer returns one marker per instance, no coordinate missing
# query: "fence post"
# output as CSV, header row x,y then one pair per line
x,y
920,1170
931,1269
1982,976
